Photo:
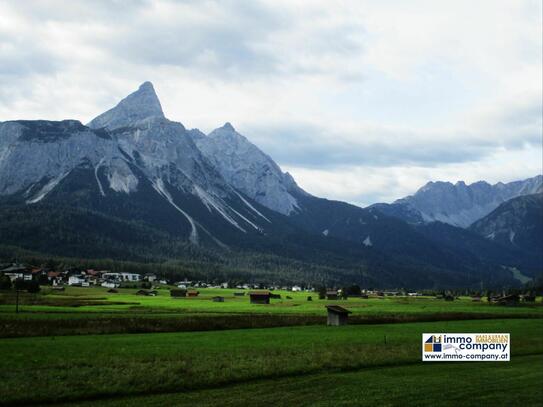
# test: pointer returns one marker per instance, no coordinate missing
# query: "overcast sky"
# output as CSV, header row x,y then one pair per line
x,y
363,101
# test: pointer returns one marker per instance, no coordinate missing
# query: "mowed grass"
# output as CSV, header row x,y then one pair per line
x,y
451,384
76,299
82,311
46,369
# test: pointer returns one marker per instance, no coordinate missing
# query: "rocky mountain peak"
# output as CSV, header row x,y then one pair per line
x,y
141,104
228,126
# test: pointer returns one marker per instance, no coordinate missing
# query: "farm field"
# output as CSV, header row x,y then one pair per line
x,y
88,347
101,367
98,300
94,311
453,385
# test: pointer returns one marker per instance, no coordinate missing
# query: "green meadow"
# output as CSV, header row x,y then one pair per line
x,y
85,346
112,367
99,301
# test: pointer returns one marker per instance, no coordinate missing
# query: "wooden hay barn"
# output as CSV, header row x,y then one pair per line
x,y
193,293
178,292
259,297
337,315
331,295
147,293
509,300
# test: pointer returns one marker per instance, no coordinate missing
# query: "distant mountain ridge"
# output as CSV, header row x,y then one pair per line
x,y
517,223
177,193
458,204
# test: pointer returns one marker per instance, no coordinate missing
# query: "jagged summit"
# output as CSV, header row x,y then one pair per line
x,y
228,126
461,204
141,104
226,130
249,170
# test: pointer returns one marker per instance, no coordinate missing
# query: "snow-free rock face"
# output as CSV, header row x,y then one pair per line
x,y
248,169
517,223
36,155
458,204
126,147
141,104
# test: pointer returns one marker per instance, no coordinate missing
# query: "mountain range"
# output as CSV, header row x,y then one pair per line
x,y
458,204
133,185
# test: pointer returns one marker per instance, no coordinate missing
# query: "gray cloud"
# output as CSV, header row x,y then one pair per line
x,y
296,144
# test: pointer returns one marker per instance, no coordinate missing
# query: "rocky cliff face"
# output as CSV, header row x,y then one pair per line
x,y
131,144
248,169
458,204
517,223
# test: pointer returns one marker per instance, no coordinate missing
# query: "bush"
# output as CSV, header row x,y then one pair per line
x,y
31,286
5,283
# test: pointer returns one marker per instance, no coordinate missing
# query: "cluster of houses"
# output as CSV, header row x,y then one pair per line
x,y
73,277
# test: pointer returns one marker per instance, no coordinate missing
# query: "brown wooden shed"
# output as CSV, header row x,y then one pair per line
x,y
259,297
337,315
331,295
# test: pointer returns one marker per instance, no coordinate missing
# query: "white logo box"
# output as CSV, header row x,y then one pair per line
x,y
466,347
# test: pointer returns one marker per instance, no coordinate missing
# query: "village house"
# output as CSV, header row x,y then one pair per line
x,y
77,280
121,277
337,315
150,277
17,271
54,277
110,284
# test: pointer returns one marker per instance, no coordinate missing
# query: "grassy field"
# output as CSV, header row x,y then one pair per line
x,y
100,367
95,311
97,299
159,350
404,385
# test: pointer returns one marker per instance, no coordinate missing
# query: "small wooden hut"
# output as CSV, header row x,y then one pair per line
x,y
337,315
259,297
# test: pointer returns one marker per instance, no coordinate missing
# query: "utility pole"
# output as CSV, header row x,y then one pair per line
x,y
16,300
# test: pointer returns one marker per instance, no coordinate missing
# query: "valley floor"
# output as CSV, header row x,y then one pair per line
x,y
308,365
88,347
